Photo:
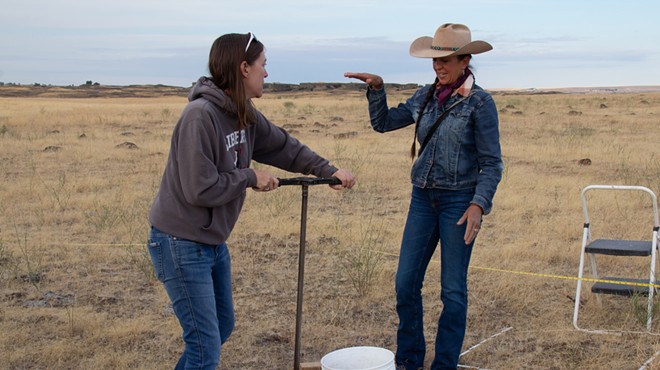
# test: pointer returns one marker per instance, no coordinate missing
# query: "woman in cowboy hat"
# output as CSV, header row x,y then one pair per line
x,y
454,180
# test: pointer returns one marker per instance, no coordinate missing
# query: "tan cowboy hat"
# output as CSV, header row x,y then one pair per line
x,y
449,39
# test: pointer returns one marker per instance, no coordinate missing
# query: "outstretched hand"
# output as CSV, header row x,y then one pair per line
x,y
375,81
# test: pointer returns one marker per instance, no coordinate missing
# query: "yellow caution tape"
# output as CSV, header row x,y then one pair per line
x,y
553,276
527,273
592,280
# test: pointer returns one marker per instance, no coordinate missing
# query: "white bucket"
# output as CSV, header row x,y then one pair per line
x,y
359,358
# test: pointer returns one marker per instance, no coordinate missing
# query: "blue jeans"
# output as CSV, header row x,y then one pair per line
x,y
432,217
197,278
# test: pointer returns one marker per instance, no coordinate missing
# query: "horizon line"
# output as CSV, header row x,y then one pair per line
x,y
96,84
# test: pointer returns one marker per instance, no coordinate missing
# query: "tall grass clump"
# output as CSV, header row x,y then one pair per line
x,y
639,308
5,258
362,257
29,265
137,255
60,191
289,106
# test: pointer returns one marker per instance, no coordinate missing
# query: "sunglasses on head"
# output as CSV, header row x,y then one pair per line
x,y
249,41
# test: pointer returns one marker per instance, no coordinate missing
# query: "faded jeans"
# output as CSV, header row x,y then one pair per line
x,y
197,278
432,218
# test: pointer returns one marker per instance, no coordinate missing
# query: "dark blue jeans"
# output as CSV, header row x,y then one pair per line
x,y
432,218
197,278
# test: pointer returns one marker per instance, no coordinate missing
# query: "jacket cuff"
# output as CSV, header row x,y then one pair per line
x,y
328,171
373,94
251,177
482,202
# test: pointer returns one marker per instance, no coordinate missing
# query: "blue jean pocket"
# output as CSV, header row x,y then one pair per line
x,y
156,253
192,257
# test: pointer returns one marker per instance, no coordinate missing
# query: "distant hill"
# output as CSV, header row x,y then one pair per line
x,y
94,91
97,90
582,90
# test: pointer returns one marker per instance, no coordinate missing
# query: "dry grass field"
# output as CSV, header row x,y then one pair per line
x,y
78,175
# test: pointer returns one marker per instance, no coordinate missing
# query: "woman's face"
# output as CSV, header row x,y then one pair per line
x,y
253,77
449,69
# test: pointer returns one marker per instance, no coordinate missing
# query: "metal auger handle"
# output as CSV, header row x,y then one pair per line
x,y
309,181
305,182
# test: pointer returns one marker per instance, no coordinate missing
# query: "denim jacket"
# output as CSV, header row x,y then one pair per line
x,y
464,152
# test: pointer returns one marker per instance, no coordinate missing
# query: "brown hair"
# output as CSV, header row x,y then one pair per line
x,y
227,54
429,96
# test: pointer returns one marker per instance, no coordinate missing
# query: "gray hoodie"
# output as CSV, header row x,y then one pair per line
x,y
208,170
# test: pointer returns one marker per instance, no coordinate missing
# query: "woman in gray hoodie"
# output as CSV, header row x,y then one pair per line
x,y
204,186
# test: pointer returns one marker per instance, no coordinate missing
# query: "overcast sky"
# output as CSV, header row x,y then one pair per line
x,y
536,44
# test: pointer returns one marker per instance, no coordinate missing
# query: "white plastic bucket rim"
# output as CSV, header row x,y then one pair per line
x,y
359,358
